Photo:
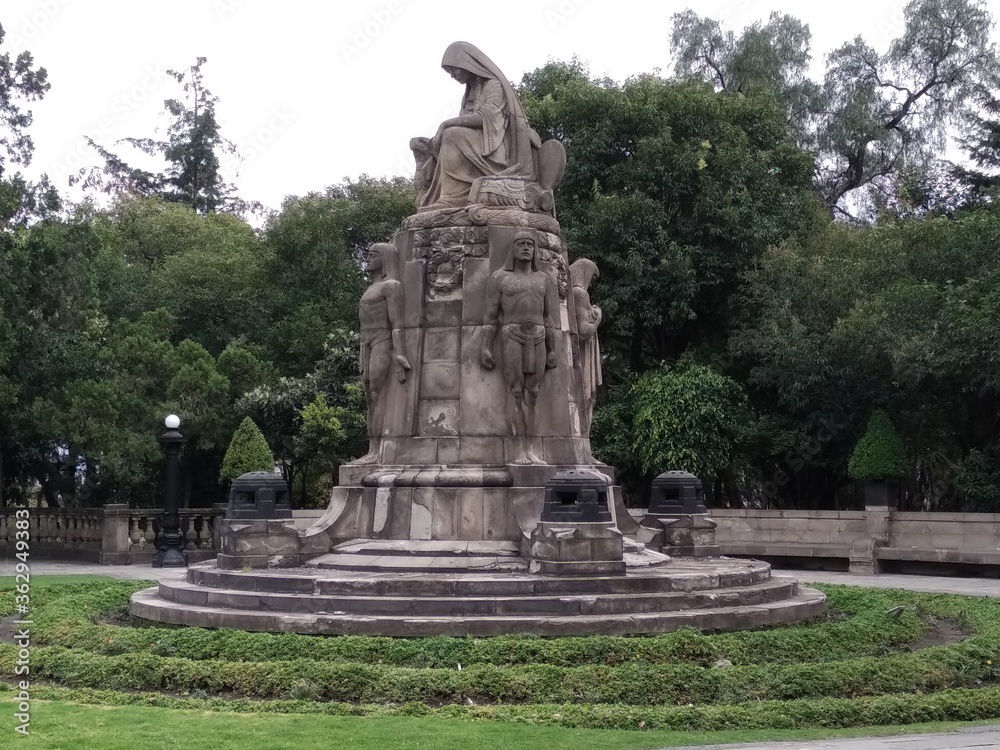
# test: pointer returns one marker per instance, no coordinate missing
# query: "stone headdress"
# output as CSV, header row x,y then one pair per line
x,y
522,234
390,259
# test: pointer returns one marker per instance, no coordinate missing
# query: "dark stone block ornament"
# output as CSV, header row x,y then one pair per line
x,y
259,495
576,497
677,493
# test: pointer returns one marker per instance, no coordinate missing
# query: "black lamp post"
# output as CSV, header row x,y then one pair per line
x,y
171,551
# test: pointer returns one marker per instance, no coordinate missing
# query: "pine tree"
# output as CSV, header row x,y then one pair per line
x,y
248,451
193,174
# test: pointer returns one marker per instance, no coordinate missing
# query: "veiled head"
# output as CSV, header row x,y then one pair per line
x,y
583,272
462,56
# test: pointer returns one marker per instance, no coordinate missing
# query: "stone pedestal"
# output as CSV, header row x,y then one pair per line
x,y
114,537
259,543
684,535
580,549
863,558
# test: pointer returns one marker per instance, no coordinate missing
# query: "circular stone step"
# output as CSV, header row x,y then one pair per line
x,y
806,603
679,575
380,547
414,563
478,606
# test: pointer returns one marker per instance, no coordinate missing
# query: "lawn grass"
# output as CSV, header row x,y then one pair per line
x,y
47,581
74,664
69,726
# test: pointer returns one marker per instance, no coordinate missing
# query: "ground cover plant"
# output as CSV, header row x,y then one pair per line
x,y
865,664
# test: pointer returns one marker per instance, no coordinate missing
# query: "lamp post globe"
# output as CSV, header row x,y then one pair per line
x,y
171,548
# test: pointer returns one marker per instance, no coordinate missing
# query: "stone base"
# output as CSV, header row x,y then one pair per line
x,y
683,535
259,544
469,503
579,549
427,589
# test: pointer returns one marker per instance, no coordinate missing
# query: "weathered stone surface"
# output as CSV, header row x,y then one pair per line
x,y
716,594
441,381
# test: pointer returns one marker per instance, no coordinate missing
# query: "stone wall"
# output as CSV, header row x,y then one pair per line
x,y
863,541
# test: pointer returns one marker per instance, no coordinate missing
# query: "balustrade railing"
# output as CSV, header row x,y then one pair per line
x,y
112,535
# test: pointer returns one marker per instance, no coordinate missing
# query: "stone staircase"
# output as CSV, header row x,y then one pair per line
x,y
408,588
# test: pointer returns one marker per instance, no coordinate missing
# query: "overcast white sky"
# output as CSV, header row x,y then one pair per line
x,y
313,91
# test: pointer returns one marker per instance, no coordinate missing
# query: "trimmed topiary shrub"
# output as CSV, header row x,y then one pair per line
x,y
880,454
248,451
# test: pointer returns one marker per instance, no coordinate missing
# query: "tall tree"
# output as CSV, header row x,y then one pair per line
x,y
879,112
674,190
20,82
899,316
767,58
192,151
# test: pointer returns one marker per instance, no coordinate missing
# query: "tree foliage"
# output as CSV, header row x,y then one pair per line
x,y
878,111
192,152
673,190
247,452
688,418
880,454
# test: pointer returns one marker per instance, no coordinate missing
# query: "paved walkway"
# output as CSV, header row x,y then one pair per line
x,y
127,572
966,739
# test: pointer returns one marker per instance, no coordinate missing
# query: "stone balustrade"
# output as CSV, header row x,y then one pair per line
x,y
864,542
112,535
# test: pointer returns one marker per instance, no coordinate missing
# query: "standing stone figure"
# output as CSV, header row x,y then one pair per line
x,y
588,318
490,136
381,312
521,303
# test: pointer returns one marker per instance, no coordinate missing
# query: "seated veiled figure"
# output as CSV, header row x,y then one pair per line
x,y
489,138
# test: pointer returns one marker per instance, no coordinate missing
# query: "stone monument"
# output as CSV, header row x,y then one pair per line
x,y
475,292
479,508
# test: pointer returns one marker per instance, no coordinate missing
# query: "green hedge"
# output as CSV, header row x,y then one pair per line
x,y
637,683
952,705
869,632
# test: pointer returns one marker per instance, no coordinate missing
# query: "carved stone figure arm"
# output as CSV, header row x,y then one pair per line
x,y
394,307
473,120
588,316
550,311
491,320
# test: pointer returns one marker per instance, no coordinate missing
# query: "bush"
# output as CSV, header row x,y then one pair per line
x,y
248,451
880,454
688,418
797,676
